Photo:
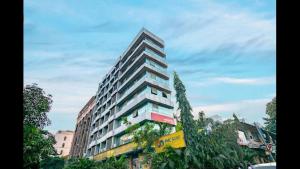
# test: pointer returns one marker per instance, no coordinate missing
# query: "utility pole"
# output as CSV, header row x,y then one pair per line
x,y
263,139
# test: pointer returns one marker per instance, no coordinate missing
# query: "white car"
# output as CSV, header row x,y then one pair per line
x,y
265,166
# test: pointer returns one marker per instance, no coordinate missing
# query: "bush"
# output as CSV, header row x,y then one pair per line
x,y
81,163
52,163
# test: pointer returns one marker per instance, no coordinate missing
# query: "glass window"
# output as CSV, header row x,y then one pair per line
x,y
164,95
154,106
154,91
65,138
152,76
135,113
63,145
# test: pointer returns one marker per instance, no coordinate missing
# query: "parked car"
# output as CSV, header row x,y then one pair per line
x,y
265,166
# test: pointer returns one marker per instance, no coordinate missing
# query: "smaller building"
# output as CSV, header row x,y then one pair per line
x,y
63,142
255,137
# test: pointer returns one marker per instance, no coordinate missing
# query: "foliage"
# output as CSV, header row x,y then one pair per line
x,y
145,135
80,163
52,163
271,119
113,163
178,126
85,163
186,118
217,149
171,158
37,145
36,106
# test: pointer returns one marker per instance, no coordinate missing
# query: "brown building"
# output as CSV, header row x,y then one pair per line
x,y
83,124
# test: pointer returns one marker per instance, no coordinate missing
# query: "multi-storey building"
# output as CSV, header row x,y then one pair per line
x,y
136,88
83,124
63,142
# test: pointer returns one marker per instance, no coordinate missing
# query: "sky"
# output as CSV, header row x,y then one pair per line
x,y
223,51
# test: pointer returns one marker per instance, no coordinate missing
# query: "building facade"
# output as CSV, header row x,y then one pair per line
x,y
255,137
83,124
136,88
63,142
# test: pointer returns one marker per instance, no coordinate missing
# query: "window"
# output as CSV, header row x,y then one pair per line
x,y
152,64
61,151
63,145
65,138
164,95
152,76
110,126
135,113
154,91
154,106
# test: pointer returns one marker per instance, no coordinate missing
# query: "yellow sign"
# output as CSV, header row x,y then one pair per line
x,y
116,151
175,140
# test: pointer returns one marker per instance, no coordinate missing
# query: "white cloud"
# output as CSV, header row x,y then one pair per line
x,y
215,25
251,110
246,81
234,81
68,97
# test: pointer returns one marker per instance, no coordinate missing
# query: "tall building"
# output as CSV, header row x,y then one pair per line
x,y
63,142
136,88
83,124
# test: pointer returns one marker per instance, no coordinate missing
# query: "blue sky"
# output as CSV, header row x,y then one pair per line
x,y
224,51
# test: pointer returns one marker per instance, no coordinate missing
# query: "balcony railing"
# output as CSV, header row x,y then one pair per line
x,y
142,97
159,70
154,44
138,83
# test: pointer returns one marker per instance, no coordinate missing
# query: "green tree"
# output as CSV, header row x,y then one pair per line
x,y
80,163
36,106
52,163
113,163
145,136
37,143
271,119
186,119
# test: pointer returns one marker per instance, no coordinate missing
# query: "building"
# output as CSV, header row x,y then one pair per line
x,y
83,124
63,142
136,88
255,137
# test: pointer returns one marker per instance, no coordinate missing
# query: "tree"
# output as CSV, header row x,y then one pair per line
x,y
217,149
271,119
113,163
36,106
145,136
80,163
186,119
37,143
52,163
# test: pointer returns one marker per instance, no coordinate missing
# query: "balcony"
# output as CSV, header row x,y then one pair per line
x,y
154,45
162,72
140,99
136,120
159,85
148,53
155,56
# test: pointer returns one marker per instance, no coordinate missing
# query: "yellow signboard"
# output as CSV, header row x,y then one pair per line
x,y
175,140
116,151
